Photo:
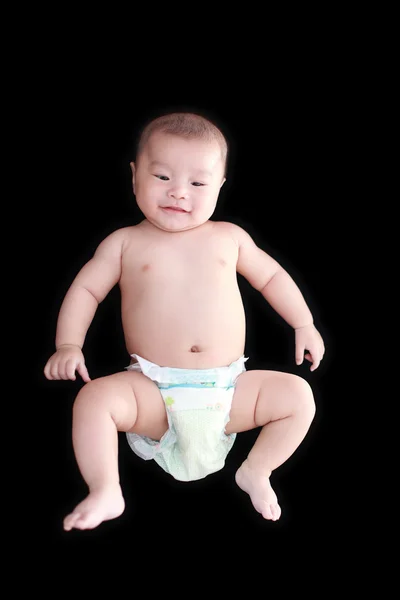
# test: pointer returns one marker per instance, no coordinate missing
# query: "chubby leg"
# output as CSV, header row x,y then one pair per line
x,y
126,401
283,405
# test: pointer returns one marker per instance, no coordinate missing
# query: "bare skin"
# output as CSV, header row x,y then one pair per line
x,y
181,307
100,505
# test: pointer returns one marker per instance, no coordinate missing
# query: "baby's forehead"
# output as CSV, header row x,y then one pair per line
x,y
166,144
161,138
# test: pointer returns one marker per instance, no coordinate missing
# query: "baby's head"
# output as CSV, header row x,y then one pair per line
x,y
179,170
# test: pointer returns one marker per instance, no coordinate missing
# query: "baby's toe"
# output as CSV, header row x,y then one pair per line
x,y
70,521
275,511
267,512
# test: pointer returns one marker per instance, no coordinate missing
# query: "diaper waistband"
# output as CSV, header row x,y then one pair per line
x,y
217,377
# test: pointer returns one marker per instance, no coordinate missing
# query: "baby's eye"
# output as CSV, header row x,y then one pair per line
x,y
162,177
197,183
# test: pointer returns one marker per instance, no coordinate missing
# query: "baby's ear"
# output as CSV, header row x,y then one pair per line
x,y
133,169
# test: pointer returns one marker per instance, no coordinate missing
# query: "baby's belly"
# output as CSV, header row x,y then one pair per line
x,y
197,333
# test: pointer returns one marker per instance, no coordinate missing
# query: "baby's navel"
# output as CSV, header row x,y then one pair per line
x,y
194,349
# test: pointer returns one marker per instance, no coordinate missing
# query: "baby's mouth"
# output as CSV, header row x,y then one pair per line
x,y
174,209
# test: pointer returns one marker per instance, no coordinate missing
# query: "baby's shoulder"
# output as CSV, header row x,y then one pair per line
x,y
231,230
117,240
127,234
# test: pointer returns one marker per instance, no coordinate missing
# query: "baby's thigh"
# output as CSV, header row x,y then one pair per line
x,y
133,400
151,420
263,396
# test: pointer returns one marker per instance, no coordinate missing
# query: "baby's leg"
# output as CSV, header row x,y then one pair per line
x,y
126,401
283,405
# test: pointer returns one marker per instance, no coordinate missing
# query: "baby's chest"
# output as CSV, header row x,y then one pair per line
x,y
205,263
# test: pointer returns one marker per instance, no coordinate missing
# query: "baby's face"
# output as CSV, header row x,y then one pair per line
x,y
177,181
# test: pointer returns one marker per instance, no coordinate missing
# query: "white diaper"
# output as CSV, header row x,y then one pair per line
x,y
198,403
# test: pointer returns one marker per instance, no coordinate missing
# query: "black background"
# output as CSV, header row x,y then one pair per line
x,y
288,187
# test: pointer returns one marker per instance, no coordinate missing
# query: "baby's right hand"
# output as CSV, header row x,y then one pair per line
x,y
63,364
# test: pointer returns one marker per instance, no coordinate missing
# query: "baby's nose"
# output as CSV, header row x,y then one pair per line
x,y
178,193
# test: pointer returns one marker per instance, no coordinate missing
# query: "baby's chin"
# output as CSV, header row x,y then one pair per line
x,y
174,228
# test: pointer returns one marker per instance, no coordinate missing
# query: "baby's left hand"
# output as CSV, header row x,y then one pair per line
x,y
308,338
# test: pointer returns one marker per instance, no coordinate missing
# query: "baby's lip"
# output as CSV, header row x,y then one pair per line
x,y
176,208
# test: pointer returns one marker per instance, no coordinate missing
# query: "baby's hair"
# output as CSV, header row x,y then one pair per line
x,y
187,125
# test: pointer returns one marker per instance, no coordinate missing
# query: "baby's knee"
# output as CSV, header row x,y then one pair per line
x,y
305,402
93,393
111,395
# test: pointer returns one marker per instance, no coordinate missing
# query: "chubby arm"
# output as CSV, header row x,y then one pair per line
x,y
267,276
89,288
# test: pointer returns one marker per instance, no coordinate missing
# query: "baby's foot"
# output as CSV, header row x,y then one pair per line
x,y
260,491
100,505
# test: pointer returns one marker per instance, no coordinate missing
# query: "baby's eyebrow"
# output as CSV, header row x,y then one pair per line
x,y
202,172
157,163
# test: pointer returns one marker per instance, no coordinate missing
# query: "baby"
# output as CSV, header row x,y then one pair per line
x,y
186,393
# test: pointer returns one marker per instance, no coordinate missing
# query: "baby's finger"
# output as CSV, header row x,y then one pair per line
x,y
70,368
83,372
54,371
299,353
62,370
315,359
315,365
46,370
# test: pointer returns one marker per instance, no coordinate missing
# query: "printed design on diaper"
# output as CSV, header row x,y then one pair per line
x,y
206,384
165,386
210,378
216,406
215,400
169,401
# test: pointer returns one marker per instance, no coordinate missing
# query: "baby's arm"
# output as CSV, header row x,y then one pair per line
x,y
79,306
267,276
